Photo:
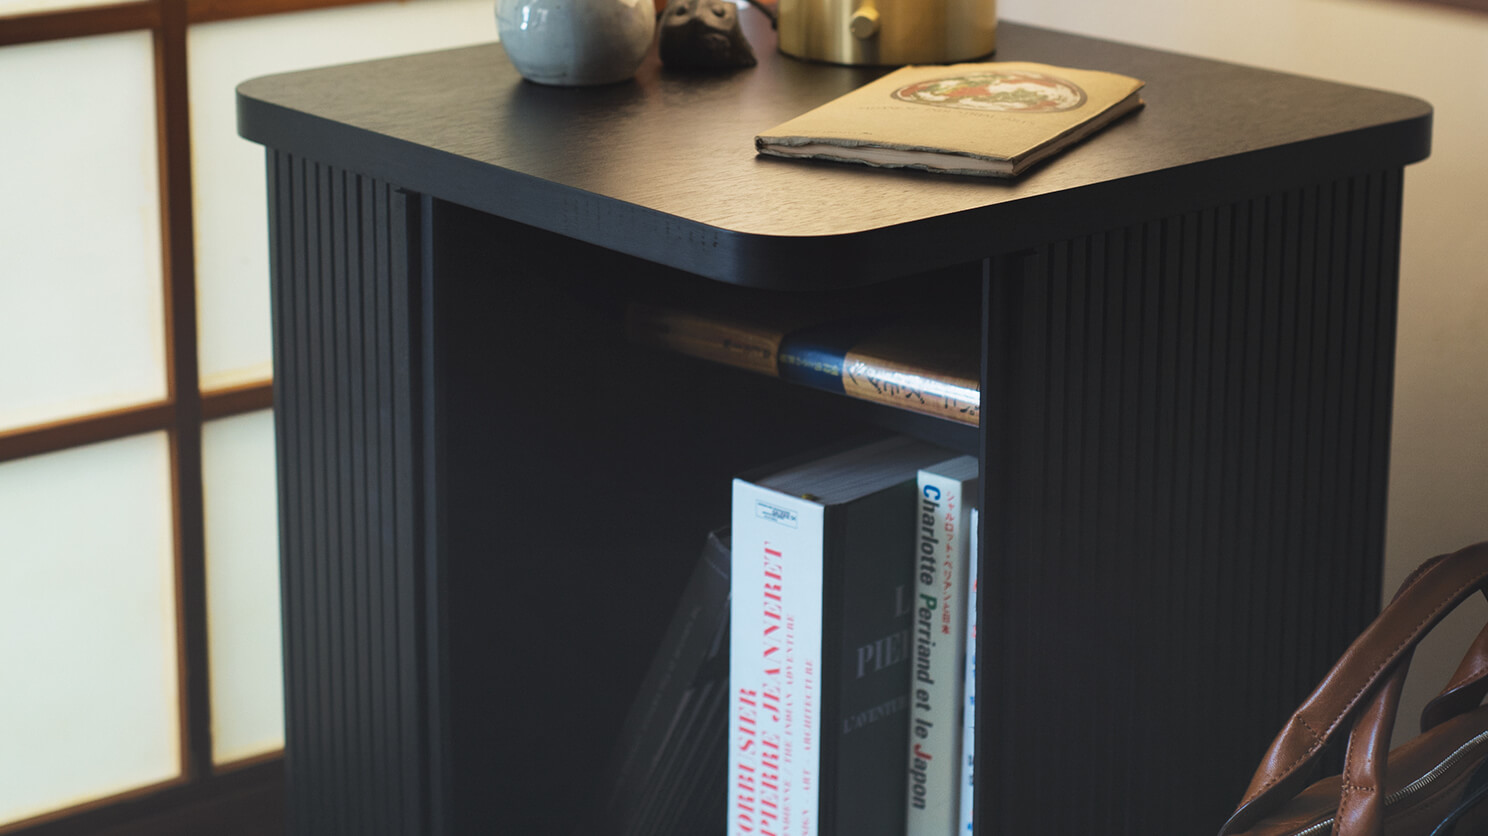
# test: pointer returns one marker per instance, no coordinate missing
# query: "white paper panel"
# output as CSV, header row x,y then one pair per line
x,y
231,233
89,700
81,307
242,519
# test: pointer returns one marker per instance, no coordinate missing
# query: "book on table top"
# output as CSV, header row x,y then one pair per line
x,y
666,774
819,642
945,493
925,360
992,119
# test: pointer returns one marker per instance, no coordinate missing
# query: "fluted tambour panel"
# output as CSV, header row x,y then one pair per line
x,y
345,383
1187,433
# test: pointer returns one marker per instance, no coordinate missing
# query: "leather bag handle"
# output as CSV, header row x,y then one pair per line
x,y
1466,689
1364,770
1368,670
1361,804
1361,796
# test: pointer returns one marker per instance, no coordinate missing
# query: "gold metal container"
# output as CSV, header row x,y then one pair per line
x,y
888,32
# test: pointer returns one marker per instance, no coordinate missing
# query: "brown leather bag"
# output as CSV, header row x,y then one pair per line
x,y
1429,786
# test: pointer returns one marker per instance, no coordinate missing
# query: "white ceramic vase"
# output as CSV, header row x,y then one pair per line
x,y
576,42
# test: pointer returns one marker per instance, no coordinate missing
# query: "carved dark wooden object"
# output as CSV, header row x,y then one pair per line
x,y
703,35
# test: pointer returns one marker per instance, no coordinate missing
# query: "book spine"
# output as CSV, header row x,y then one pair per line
x,y
968,741
910,387
822,355
775,664
731,341
826,357
939,635
816,356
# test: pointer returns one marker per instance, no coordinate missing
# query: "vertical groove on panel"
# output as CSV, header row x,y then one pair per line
x,y
310,445
406,471
355,480
348,558
1388,236
1312,364
1281,280
1186,433
351,569
303,570
1057,351
1351,355
285,323
330,601
390,731
437,789
366,378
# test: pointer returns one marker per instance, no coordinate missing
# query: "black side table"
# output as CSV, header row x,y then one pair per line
x,y
489,498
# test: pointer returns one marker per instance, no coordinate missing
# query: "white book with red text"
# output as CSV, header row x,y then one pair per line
x,y
944,496
819,643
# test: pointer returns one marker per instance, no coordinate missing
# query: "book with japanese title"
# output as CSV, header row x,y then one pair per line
x,y
945,495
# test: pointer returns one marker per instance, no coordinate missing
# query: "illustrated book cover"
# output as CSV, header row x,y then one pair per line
x,y
991,119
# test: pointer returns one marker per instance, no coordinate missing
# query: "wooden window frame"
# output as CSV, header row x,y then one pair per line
x,y
249,791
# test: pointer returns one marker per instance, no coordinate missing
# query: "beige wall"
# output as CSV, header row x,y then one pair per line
x,y
1439,462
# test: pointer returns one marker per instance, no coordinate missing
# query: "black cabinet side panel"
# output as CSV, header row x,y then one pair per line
x,y
1186,432
346,384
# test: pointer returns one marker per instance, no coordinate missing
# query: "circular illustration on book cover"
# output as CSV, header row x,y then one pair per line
x,y
1019,91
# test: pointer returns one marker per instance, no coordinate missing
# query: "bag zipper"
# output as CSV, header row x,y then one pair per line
x,y
1410,789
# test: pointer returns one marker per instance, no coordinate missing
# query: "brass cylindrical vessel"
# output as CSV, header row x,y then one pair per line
x,y
888,32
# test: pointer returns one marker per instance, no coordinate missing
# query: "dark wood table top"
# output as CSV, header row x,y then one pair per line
x,y
663,167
